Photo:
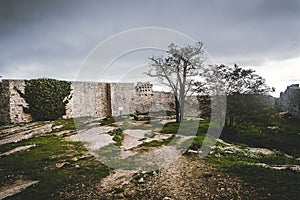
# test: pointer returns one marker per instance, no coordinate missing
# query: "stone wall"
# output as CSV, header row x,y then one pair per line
x,y
289,100
16,102
89,99
122,94
92,99
154,103
147,100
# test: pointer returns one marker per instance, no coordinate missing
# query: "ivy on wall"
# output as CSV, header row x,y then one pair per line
x,y
46,98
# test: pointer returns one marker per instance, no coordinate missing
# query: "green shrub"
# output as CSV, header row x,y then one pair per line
x,y
46,98
118,136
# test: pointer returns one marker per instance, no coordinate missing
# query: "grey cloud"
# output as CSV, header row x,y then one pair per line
x,y
58,35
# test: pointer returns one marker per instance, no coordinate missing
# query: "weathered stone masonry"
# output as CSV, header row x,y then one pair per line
x,y
11,102
289,100
90,99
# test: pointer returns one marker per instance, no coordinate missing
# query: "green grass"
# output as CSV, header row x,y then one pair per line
x,y
279,184
118,136
277,158
110,155
197,142
39,163
186,127
67,124
271,183
286,138
157,143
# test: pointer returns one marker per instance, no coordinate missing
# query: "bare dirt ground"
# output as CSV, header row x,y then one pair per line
x,y
188,178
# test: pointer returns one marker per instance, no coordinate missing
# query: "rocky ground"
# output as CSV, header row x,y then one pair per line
x,y
184,177
188,178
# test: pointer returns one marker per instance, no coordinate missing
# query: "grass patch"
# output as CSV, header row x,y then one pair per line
x,y
118,136
190,127
110,155
270,183
157,143
198,142
285,138
66,124
40,164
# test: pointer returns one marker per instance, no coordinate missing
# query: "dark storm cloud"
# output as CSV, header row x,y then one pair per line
x,y
52,38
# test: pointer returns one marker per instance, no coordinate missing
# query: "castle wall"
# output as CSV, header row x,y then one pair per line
x,y
289,100
92,99
147,100
89,99
16,102
122,94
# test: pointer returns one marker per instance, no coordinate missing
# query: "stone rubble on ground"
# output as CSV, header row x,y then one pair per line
x,y
252,153
21,134
15,188
17,149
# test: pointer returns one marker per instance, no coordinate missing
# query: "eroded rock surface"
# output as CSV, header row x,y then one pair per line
x,y
15,188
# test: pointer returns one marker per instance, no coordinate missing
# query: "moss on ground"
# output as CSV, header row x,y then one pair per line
x,y
186,128
40,163
271,183
156,143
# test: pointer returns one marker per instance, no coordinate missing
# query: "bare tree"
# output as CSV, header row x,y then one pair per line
x,y
177,70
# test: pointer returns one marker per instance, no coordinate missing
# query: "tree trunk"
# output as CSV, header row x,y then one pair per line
x,y
181,109
177,109
182,91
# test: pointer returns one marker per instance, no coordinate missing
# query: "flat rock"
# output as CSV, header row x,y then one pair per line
x,y
95,137
17,149
15,188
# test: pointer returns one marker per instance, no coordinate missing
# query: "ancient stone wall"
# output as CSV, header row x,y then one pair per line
x,y
121,96
89,99
16,102
92,99
147,100
289,100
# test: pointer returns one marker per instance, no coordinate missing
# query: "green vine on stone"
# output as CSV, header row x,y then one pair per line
x,y
46,98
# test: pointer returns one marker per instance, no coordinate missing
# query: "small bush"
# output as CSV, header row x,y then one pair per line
x,y
46,98
118,136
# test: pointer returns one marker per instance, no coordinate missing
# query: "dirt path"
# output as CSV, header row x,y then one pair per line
x,y
187,178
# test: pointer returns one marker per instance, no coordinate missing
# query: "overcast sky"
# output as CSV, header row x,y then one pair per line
x,y
42,38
